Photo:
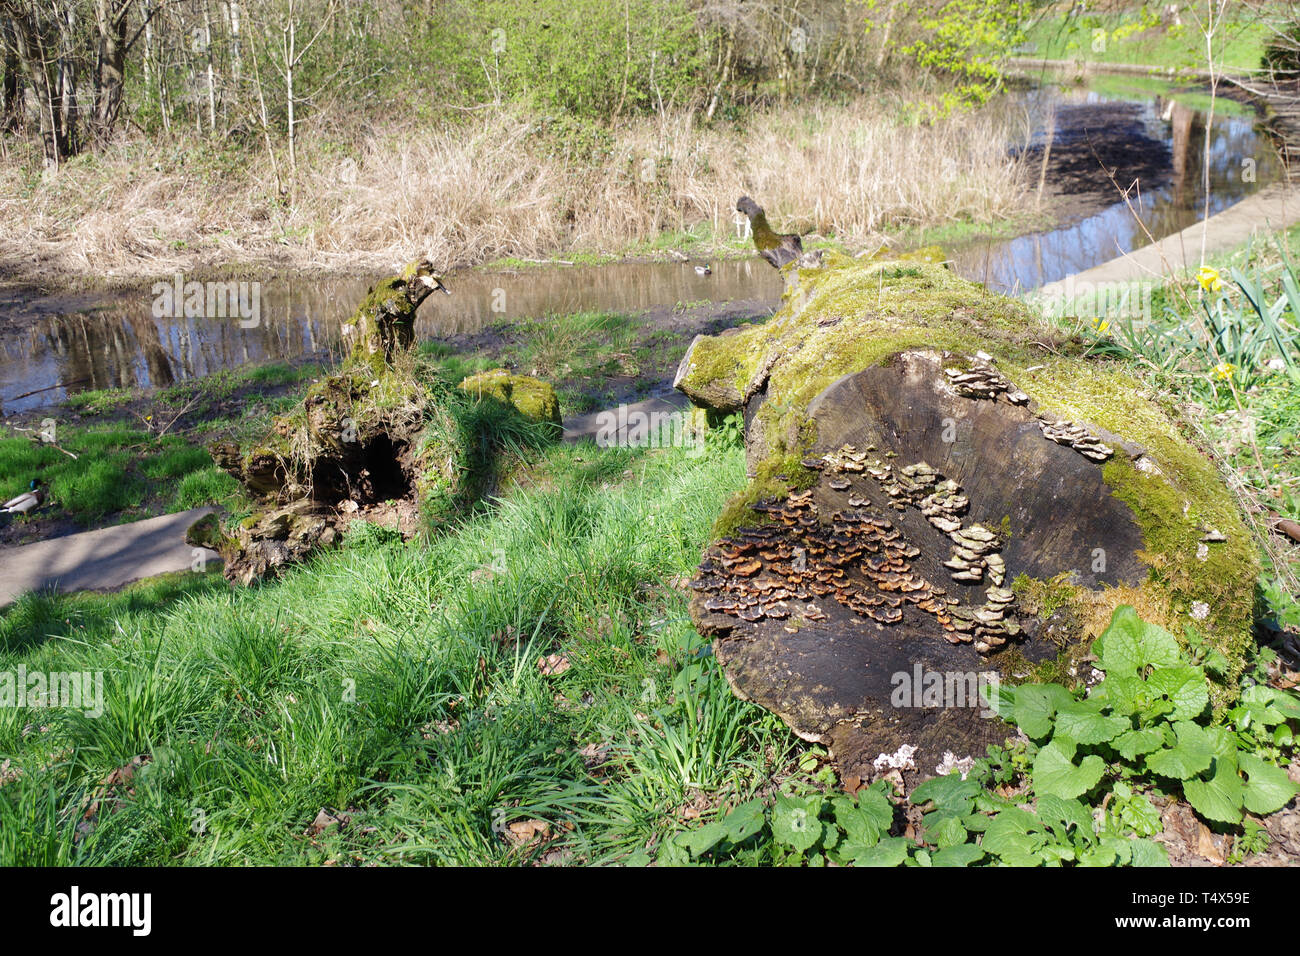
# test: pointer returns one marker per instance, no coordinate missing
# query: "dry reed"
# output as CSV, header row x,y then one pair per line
x,y
492,187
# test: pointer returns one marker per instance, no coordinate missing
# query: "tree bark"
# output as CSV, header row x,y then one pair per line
x,y
110,66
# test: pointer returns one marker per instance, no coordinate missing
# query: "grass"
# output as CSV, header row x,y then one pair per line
x,y
483,190
593,359
399,686
117,469
143,452
1127,86
1135,36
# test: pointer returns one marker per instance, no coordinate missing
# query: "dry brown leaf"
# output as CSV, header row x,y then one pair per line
x,y
527,832
553,665
1207,846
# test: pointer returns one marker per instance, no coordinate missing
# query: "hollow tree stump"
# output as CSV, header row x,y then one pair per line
x,y
351,449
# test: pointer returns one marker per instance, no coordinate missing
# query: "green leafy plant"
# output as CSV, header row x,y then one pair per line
x,y
1148,721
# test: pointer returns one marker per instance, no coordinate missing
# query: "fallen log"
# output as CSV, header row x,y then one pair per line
x,y
944,495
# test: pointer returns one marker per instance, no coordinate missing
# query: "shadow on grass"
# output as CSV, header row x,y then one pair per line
x,y
41,616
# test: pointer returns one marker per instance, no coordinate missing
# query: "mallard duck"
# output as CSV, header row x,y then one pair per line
x,y
779,250
703,271
28,501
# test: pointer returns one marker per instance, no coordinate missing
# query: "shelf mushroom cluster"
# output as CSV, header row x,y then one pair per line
x,y
777,570
859,559
982,380
1075,436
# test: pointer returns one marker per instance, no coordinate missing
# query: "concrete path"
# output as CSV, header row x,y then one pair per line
x,y
636,416
1025,64
1273,208
103,559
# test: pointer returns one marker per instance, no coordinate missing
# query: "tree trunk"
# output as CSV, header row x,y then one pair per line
x,y
10,88
110,65
32,43
923,503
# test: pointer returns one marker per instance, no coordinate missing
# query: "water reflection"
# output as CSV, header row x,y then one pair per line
x,y
121,344
1241,161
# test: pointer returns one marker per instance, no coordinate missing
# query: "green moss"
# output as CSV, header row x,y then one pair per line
x,y
1043,598
534,399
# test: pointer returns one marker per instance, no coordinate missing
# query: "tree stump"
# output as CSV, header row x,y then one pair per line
x,y
944,495
352,449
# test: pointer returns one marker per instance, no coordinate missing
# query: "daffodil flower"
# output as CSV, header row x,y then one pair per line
x,y
1100,325
1223,371
1209,279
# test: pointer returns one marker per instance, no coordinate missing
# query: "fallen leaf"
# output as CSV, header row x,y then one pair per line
x,y
1287,527
553,665
593,755
1206,845
527,832
324,820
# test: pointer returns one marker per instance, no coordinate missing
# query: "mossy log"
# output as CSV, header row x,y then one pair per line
x,y
532,398
943,493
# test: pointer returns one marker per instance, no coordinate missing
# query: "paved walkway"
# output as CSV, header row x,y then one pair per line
x,y
103,559
633,416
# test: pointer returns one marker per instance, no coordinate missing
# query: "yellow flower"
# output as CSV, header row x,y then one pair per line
x,y
1209,279
1223,371
1100,325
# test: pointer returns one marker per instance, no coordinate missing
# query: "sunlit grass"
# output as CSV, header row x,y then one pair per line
x,y
399,684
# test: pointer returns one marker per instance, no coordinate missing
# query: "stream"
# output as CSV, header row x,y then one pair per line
x,y
115,340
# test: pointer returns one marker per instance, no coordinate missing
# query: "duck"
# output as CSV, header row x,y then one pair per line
x,y
703,271
779,250
28,501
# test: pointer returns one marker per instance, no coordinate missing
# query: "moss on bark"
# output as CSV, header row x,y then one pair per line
x,y
846,317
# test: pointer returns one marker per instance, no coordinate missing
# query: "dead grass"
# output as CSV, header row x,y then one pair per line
x,y
493,188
